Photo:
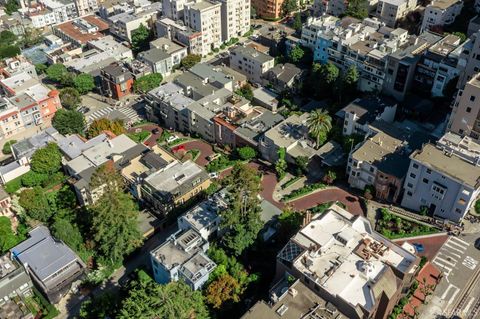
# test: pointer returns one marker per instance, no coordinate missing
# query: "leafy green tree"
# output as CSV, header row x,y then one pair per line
x,y
281,164
190,60
84,83
103,124
7,238
289,6
357,9
241,220
11,6
32,179
290,221
68,232
67,79
351,76
36,204
302,163
114,216
69,122
296,54
149,300
70,98
297,23
103,305
245,91
7,38
31,37
221,290
328,72
6,149
246,153
319,123
56,72
47,160
41,68
461,35
140,39
330,177
9,51
147,82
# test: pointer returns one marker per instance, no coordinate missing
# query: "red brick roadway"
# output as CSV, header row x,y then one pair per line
x,y
431,244
205,150
152,140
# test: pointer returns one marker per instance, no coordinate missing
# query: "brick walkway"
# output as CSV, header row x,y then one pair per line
x,y
431,244
152,140
204,148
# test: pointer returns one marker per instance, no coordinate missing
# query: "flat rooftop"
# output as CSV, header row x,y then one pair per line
x,y
175,175
74,29
451,165
444,4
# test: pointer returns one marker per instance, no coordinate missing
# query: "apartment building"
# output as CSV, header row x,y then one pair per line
x,y
14,281
465,117
117,81
82,30
440,13
381,160
270,9
360,113
85,7
250,62
205,17
471,54
122,24
313,35
19,64
27,103
182,257
439,64
163,55
174,185
40,16
345,262
59,266
283,77
235,18
444,178
391,11
63,10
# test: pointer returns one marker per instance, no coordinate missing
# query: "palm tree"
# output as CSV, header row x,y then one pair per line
x,y
319,123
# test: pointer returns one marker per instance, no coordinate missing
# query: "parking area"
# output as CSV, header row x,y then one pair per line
x,y
431,245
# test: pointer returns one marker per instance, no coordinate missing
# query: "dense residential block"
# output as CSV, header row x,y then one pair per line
x,y
117,81
250,62
391,11
14,281
440,13
164,54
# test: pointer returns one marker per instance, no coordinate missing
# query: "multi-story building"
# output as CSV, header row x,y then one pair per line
x,y
177,31
465,117
250,62
173,9
14,281
360,113
283,77
27,103
470,53
444,178
270,9
205,17
440,13
82,30
85,7
381,160
63,10
163,55
235,18
40,16
122,24
391,11
16,65
313,35
439,64
174,185
117,81
344,261
182,257
58,267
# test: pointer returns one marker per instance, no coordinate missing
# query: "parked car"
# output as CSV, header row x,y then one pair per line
x,y
213,157
477,243
155,131
213,175
419,247
83,109
172,138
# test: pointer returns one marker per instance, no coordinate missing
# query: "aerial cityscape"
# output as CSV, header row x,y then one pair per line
x,y
194,159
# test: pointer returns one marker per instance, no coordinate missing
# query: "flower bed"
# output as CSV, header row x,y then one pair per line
x,y
393,226
305,190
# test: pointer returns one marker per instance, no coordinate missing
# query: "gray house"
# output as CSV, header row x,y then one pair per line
x,y
163,55
14,281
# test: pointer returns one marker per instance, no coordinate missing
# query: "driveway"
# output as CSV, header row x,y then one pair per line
x,y
152,140
431,244
205,150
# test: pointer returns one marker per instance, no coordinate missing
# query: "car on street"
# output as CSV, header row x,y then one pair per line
x,y
477,243
155,131
172,138
83,109
419,247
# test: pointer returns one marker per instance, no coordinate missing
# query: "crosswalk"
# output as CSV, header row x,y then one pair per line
x,y
129,113
452,254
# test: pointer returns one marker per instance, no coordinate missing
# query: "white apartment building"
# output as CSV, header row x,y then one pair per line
x,y
123,24
444,178
440,13
41,17
390,11
62,9
85,7
235,18
177,31
205,17
173,9
250,62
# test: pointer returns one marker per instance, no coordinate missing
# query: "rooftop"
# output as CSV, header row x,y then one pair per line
x,y
251,53
444,4
203,5
84,29
73,145
367,109
172,94
346,258
27,146
167,45
448,164
43,254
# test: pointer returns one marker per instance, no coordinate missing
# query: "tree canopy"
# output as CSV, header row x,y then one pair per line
x,y
103,124
6,149
114,216
69,122
11,6
319,123
242,218
246,152
297,23
245,91
56,72
175,300
7,38
190,60
47,160
281,164
296,54
36,204
141,38
289,6
147,82
7,238
357,9
84,83
70,98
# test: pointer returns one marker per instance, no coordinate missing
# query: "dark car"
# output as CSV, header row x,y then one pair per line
x,y
155,131
477,243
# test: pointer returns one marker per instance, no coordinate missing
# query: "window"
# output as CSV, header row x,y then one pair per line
x,y
413,175
429,171
472,98
372,169
415,165
409,185
468,110
425,181
409,193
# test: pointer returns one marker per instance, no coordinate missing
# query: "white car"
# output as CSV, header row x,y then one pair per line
x,y
172,138
213,175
